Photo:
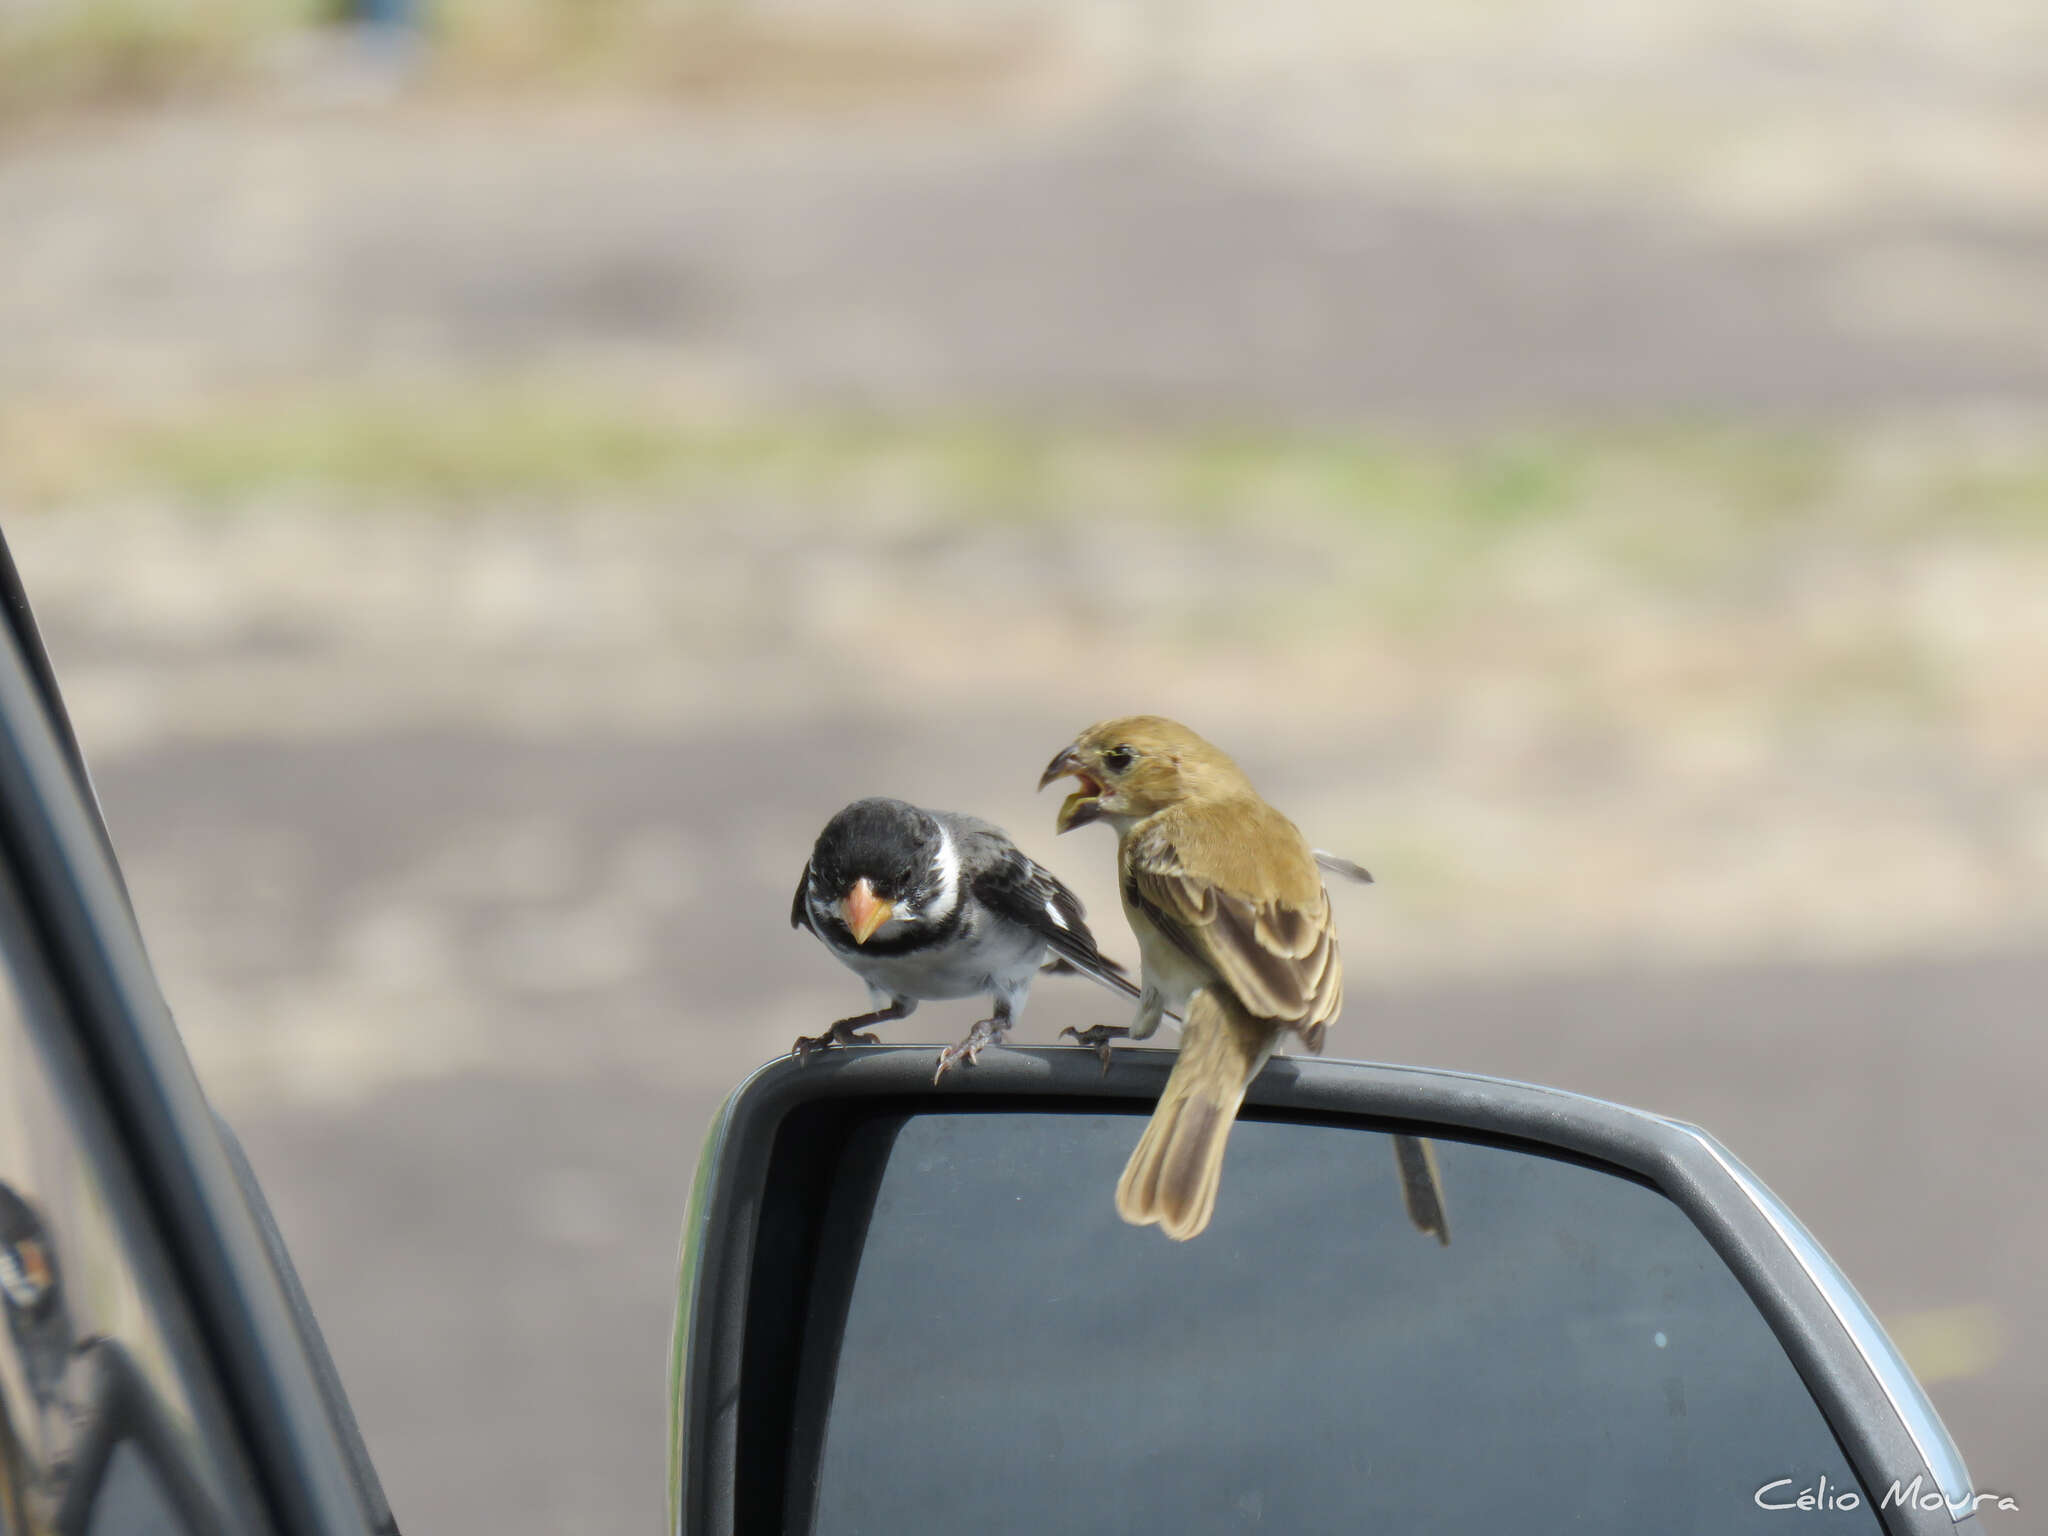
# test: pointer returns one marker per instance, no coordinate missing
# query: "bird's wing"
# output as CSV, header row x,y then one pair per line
x,y
1279,957
1422,1187
799,910
1021,891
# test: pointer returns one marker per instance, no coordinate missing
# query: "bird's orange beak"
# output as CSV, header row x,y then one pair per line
x,y
1085,803
29,1253
864,911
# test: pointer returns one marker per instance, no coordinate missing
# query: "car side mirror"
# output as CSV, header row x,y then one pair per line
x,y
1426,1301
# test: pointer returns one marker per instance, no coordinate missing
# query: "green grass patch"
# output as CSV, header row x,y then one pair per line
x,y
59,56
90,53
1679,498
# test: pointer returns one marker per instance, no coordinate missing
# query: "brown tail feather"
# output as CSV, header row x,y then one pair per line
x,y
1172,1177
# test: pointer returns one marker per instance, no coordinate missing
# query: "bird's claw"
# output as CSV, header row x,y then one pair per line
x,y
984,1034
805,1044
1098,1036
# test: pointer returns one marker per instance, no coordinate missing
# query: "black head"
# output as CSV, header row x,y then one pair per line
x,y
897,851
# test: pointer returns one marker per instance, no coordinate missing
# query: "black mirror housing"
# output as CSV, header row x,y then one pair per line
x,y
774,1246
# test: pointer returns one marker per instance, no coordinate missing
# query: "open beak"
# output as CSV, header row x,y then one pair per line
x,y
1085,803
864,911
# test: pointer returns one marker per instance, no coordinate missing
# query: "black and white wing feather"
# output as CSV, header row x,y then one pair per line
x,y
1021,891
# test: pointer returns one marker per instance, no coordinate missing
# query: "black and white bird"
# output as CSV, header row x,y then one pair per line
x,y
926,905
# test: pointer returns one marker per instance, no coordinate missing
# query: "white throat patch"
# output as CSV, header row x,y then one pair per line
x,y
947,862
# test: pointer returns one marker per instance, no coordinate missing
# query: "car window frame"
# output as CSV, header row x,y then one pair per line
x,y
75,907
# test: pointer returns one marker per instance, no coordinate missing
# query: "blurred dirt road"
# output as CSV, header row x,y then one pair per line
x,y
472,999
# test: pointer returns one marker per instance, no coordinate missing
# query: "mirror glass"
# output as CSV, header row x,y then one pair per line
x,y
1013,1358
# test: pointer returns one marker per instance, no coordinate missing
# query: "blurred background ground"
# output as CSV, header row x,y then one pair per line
x,y
492,495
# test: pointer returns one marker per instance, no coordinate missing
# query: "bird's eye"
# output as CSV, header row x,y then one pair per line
x,y
1117,759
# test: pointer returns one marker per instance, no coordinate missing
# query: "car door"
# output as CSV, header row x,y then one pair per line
x,y
159,1369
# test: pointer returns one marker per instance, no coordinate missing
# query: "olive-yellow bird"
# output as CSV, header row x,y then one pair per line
x,y
1233,922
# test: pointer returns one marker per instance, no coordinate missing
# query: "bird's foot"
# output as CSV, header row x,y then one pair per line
x,y
986,1032
1099,1036
838,1034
